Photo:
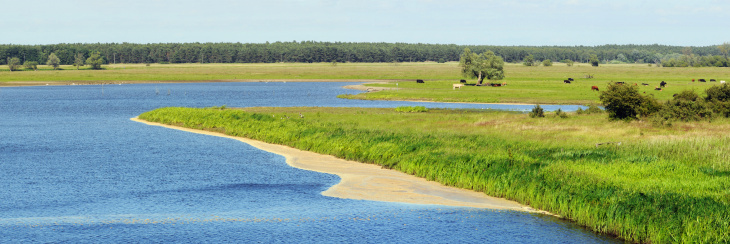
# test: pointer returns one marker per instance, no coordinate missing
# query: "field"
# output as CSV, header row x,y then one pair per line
x,y
658,185
542,85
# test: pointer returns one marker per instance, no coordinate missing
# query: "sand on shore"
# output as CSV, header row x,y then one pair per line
x,y
371,182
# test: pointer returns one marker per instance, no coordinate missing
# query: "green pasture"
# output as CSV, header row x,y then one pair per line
x,y
659,185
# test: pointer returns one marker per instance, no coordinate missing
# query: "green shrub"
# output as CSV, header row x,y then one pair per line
x,y
31,65
537,112
568,62
718,93
561,114
547,62
625,102
411,109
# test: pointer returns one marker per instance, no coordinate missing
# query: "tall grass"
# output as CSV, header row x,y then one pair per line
x,y
660,185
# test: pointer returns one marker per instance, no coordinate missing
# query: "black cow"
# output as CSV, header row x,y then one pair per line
x,y
570,79
703,80
644,84
462,81
663,84
713,80
620,82
419,81
566,81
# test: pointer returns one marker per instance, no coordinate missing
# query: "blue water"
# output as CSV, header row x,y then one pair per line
x,y
74,168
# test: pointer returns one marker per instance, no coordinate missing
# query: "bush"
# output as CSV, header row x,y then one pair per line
x,y
625,102
95,60
529,60
568,62
547,62
685,106
31,65
561,114
537,112
594,60
410,109
718,93
13,63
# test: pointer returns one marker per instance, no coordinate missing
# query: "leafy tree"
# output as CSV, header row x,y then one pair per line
x,y
31,65
547,62
625,102
13,63
486,65
568,62
594,60
724,48
529,60
79,60
53,61
95,60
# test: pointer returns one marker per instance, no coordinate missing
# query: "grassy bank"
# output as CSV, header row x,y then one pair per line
x,y
659,185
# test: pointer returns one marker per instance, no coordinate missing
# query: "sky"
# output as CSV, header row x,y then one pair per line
x,y
463,22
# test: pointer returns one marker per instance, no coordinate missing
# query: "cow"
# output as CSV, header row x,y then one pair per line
x,y
419,81
636,84
566,81
662,84
594,88
619,82
712,80
462,81
658,88
570,79
644,84
722,82
703,80
458,86
693,80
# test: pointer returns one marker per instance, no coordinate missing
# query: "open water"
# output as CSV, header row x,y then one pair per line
x,y
75,169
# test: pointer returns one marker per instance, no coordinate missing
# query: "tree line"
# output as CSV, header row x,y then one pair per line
x,y
310,51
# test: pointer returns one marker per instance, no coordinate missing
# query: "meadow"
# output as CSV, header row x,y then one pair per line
x,y
529,85
647,184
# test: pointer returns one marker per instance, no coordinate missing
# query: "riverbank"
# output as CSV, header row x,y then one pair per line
x,y
660,185
371,182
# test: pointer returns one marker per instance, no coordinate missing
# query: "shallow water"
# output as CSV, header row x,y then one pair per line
x,y
74,168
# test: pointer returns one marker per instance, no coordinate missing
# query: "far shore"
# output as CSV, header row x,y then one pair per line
x,y
370,182
120,82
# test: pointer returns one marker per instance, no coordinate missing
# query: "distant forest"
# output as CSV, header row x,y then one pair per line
x,y
309,52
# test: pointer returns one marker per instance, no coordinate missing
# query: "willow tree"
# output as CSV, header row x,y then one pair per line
x,y
481,66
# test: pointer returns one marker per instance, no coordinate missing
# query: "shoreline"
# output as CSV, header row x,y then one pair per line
x,y
119,82
362,181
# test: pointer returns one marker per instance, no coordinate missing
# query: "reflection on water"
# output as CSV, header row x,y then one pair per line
x,y
75,169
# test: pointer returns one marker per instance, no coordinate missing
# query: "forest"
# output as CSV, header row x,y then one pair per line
x,y
311,52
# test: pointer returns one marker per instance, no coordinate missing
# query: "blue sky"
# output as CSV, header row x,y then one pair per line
x,y
487,22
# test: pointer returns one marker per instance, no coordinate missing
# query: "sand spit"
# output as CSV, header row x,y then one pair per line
x,y
370,182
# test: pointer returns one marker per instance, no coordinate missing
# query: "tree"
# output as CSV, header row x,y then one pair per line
x,y
547,62
13,63
594,60
624,102
486,65
79,60
53,61
529,60
724,48
95,60
31,65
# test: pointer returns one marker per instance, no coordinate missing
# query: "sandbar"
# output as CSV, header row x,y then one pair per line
x,y
371,182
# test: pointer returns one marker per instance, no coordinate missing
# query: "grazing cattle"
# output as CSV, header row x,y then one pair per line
x,y
458,86
662,84
594,88
570,79
636,84
566,81
712,80
644,84
462,81
658,88
722,82
419,81
619,82
693,80
703,80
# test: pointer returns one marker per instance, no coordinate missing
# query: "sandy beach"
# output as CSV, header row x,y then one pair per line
x,y
371,182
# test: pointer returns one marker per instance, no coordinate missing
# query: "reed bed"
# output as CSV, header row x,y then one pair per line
x,y
660,185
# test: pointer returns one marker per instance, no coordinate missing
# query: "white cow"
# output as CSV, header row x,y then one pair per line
x,y
722,82
458,86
